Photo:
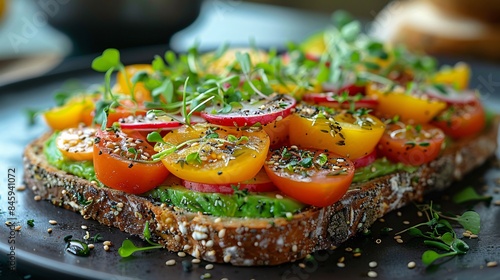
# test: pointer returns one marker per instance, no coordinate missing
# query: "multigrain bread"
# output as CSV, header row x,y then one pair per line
x,y
256,241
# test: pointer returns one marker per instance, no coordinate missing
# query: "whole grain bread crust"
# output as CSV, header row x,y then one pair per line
x,y
255,241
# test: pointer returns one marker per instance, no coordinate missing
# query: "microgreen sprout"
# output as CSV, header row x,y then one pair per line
x,y
441,235
128,247
469,194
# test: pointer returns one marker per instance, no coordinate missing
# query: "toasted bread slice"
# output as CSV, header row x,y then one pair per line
x,y
255,241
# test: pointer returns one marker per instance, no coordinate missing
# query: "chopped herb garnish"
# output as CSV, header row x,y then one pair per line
x,y
128,247
469,194
441,235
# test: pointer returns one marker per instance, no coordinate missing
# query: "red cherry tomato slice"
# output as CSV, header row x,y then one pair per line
x,y
310,176
412,145
277,107
462,120
259,183
122,161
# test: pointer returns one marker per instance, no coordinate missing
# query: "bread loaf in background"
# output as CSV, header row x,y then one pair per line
x,y
442,27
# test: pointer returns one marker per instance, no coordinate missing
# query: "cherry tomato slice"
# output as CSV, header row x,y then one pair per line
x,y
457,76
124,83
310,176
411,107
346,134
277,107
76,143
76,111
126,108
330,100
412,145
123,162
259,183
462,120
206,153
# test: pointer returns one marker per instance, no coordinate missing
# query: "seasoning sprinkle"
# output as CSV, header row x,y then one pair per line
x,y
53,222
372,264
209,266
412,265
372,274
170,262
492,264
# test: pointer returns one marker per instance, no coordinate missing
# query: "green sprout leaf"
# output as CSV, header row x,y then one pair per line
x,y
437,244
155,137
350,31
460,246
430,256
128,248
244,61
469,194
448,238
193,158
340,18
166,90
470,220
109,59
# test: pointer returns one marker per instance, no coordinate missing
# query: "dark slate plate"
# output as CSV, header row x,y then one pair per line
x,y
39,255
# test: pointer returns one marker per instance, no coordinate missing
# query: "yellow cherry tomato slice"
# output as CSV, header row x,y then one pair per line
x,y
76,111
458,76
124,83
213,154
411,108
76,143
346,134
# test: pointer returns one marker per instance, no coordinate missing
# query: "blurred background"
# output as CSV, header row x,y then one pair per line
x,y
38,36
